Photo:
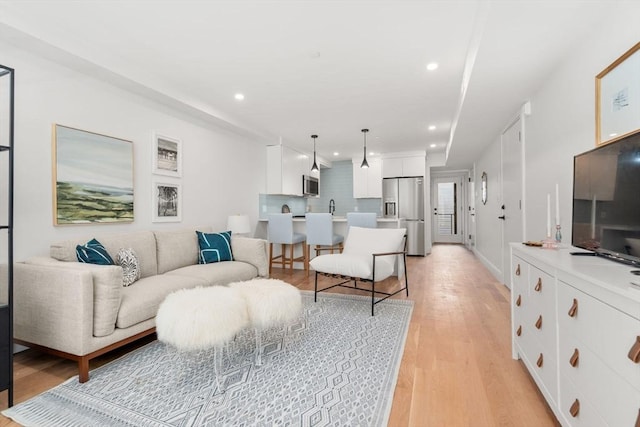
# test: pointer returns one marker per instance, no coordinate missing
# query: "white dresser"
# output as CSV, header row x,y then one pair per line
x,y
576,326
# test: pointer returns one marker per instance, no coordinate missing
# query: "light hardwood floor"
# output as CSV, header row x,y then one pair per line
x,y
456,369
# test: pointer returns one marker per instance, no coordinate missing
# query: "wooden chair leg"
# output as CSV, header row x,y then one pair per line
x,y
270,258
291,247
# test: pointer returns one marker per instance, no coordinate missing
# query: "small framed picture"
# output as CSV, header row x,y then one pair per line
x,y
167,156
167,202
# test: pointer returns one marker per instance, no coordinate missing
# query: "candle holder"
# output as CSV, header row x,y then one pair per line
x,y
558,234
549,243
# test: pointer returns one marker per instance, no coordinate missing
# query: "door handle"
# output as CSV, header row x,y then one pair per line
x,y
501,217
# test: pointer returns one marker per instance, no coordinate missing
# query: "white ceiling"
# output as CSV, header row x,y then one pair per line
x,y
322,67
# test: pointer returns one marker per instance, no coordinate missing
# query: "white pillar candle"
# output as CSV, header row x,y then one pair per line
x,y
557,205
548,215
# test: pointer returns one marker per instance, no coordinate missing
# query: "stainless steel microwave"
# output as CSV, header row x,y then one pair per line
x,y
310,186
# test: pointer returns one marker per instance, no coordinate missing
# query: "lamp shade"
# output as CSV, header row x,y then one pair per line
x,y
238,224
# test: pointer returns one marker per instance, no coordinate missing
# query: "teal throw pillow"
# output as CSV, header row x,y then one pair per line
x,y
214,247
93,253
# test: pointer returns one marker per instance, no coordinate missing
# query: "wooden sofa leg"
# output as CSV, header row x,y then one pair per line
x,y
83,369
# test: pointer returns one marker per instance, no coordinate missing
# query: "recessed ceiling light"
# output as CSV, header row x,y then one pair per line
x,y
335,153
433,146
432,127
239,96
432,66
371,153
613,134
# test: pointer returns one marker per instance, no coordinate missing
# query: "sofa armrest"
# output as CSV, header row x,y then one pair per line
x,y
107,290
252,251
53,307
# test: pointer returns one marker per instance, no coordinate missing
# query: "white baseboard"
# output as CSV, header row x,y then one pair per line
x,y
495,271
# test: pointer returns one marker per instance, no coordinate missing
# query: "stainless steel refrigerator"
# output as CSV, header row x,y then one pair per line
x,y
403,198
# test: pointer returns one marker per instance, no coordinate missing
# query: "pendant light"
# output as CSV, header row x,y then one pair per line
x,y
365,164
314,168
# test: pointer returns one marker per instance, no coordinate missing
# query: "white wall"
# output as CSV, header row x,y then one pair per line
x,y
223,173
561,125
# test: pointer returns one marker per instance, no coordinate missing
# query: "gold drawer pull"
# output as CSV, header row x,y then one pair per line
x,y
540,361
539,322
573,311
519,331
575,358
518,270
634,353
575,408
538,287
519,300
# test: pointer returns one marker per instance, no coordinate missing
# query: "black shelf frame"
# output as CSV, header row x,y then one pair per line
x,y
6,311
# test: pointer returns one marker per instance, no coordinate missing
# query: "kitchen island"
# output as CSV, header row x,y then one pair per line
x,y
339,227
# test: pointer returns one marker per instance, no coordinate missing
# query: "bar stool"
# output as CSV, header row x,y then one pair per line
x,y
280,230
361,219
320,233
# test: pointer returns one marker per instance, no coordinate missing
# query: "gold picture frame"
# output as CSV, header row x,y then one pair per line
x,y
618,98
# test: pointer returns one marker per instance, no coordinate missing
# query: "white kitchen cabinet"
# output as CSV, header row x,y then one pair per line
x,y
589,334
285,167
393,167
367,183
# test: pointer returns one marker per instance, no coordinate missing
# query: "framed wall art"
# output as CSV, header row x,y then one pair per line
x,y
618,98
92,177
167,202
167,156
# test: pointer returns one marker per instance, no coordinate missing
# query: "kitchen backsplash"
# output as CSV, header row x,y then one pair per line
x,y
335,183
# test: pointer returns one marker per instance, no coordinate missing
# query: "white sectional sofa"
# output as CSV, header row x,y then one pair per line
x,y
80,311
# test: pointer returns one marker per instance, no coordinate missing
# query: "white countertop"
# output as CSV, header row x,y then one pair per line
x,y
338,218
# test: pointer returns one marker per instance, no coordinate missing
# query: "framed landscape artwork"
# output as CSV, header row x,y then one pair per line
x,y
167,202
92,177
167,156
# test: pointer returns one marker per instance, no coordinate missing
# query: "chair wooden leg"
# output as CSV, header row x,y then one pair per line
x,y
270,258
291,247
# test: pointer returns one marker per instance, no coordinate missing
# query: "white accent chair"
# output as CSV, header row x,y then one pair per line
x,y
280,231
320,233
369,256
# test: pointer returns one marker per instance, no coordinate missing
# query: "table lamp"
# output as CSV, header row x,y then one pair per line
x,y
238,224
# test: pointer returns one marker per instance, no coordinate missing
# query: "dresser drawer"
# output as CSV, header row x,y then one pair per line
x,y
579,316
575,408
609,394
605,330
620,333
543,368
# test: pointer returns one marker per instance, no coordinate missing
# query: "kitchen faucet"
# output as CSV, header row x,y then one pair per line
x,y
332,206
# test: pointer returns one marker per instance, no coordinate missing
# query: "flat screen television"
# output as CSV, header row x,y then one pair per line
x,y
606,200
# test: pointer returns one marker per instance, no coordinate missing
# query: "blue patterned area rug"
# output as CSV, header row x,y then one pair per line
x,y
336,366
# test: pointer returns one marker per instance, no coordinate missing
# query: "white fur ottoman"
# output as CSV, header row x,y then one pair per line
x,y
270,303
201,319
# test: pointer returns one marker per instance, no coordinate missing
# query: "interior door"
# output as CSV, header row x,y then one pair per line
x,y
447,220
511,194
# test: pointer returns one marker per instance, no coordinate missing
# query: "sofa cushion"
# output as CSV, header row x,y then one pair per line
x,y
141,300
214,247
253,251
128,260
219,273
353,265
143,242
107,291
93,252
177,248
